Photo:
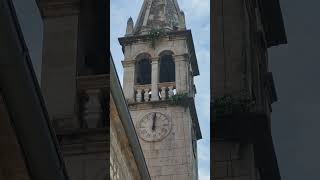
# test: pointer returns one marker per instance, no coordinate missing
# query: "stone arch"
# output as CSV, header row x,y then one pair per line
x,y
143,69
167,67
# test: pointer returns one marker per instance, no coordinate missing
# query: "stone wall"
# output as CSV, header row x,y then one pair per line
x,y
234,161
59,65
86,166
177,45
122,163
171,158
238,65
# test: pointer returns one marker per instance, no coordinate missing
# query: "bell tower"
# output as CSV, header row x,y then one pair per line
x,y
159,69
243,89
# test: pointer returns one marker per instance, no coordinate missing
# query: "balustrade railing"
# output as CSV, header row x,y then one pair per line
x,y
142,93
165,91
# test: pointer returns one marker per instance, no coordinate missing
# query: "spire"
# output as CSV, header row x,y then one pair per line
x,y
129,30
159,14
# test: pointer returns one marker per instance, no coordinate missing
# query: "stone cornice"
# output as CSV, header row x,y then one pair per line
x,y
155,59
136,38
182,57
83,141
59,8
128,63
93,82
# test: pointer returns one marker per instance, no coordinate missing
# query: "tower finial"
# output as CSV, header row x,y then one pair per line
x,y
130,25
182,20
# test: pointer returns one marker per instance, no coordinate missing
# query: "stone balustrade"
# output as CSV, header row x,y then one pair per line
x,y
142,93
165,91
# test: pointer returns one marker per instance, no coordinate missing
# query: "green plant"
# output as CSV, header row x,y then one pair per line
x,y
228,104
179,99
154,35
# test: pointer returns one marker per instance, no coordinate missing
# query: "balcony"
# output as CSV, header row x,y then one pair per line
x,y
143,93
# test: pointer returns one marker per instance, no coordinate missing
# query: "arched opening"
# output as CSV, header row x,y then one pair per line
x,y
167,67
143,69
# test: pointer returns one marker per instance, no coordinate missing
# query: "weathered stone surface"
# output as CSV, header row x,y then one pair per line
x,y
173,157
159,14
59,65
123,165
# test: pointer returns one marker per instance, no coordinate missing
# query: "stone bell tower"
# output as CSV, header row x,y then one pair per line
x,y
159,67
243,89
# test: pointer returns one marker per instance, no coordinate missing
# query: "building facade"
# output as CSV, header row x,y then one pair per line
x,y
126,156
76,91
242,88
75,83
159,69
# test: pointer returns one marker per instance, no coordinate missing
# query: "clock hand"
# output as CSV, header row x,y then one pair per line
x,y
154,122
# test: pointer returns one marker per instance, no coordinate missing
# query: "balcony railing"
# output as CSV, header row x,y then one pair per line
x,y
166,90
143,93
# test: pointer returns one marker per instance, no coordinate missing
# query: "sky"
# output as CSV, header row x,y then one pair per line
x,y
296,70
197,13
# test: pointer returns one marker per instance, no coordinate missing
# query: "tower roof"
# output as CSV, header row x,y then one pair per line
x,y
159,14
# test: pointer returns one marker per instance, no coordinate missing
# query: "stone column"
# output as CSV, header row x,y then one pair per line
x,y
181,62
139,95
128,80
163,93
154,79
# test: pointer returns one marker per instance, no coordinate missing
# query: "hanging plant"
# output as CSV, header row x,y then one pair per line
x,y
227,105
179,99
154,35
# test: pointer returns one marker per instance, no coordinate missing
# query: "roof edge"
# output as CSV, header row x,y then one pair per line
x,y
125,117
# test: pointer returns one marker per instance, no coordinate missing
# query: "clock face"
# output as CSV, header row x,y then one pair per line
x,y
154,127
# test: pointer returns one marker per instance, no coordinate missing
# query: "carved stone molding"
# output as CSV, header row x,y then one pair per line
x,y
155,59
92,90
182,57
92,108
59,8
65,122
84,141
93,82
128,63
167,84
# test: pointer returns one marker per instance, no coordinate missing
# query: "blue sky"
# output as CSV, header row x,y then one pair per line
x,y
197,14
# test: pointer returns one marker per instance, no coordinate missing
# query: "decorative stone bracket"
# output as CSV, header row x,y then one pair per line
x,y
92,91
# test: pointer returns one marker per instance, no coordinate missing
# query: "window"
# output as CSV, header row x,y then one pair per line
x,y
167,67
143,69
